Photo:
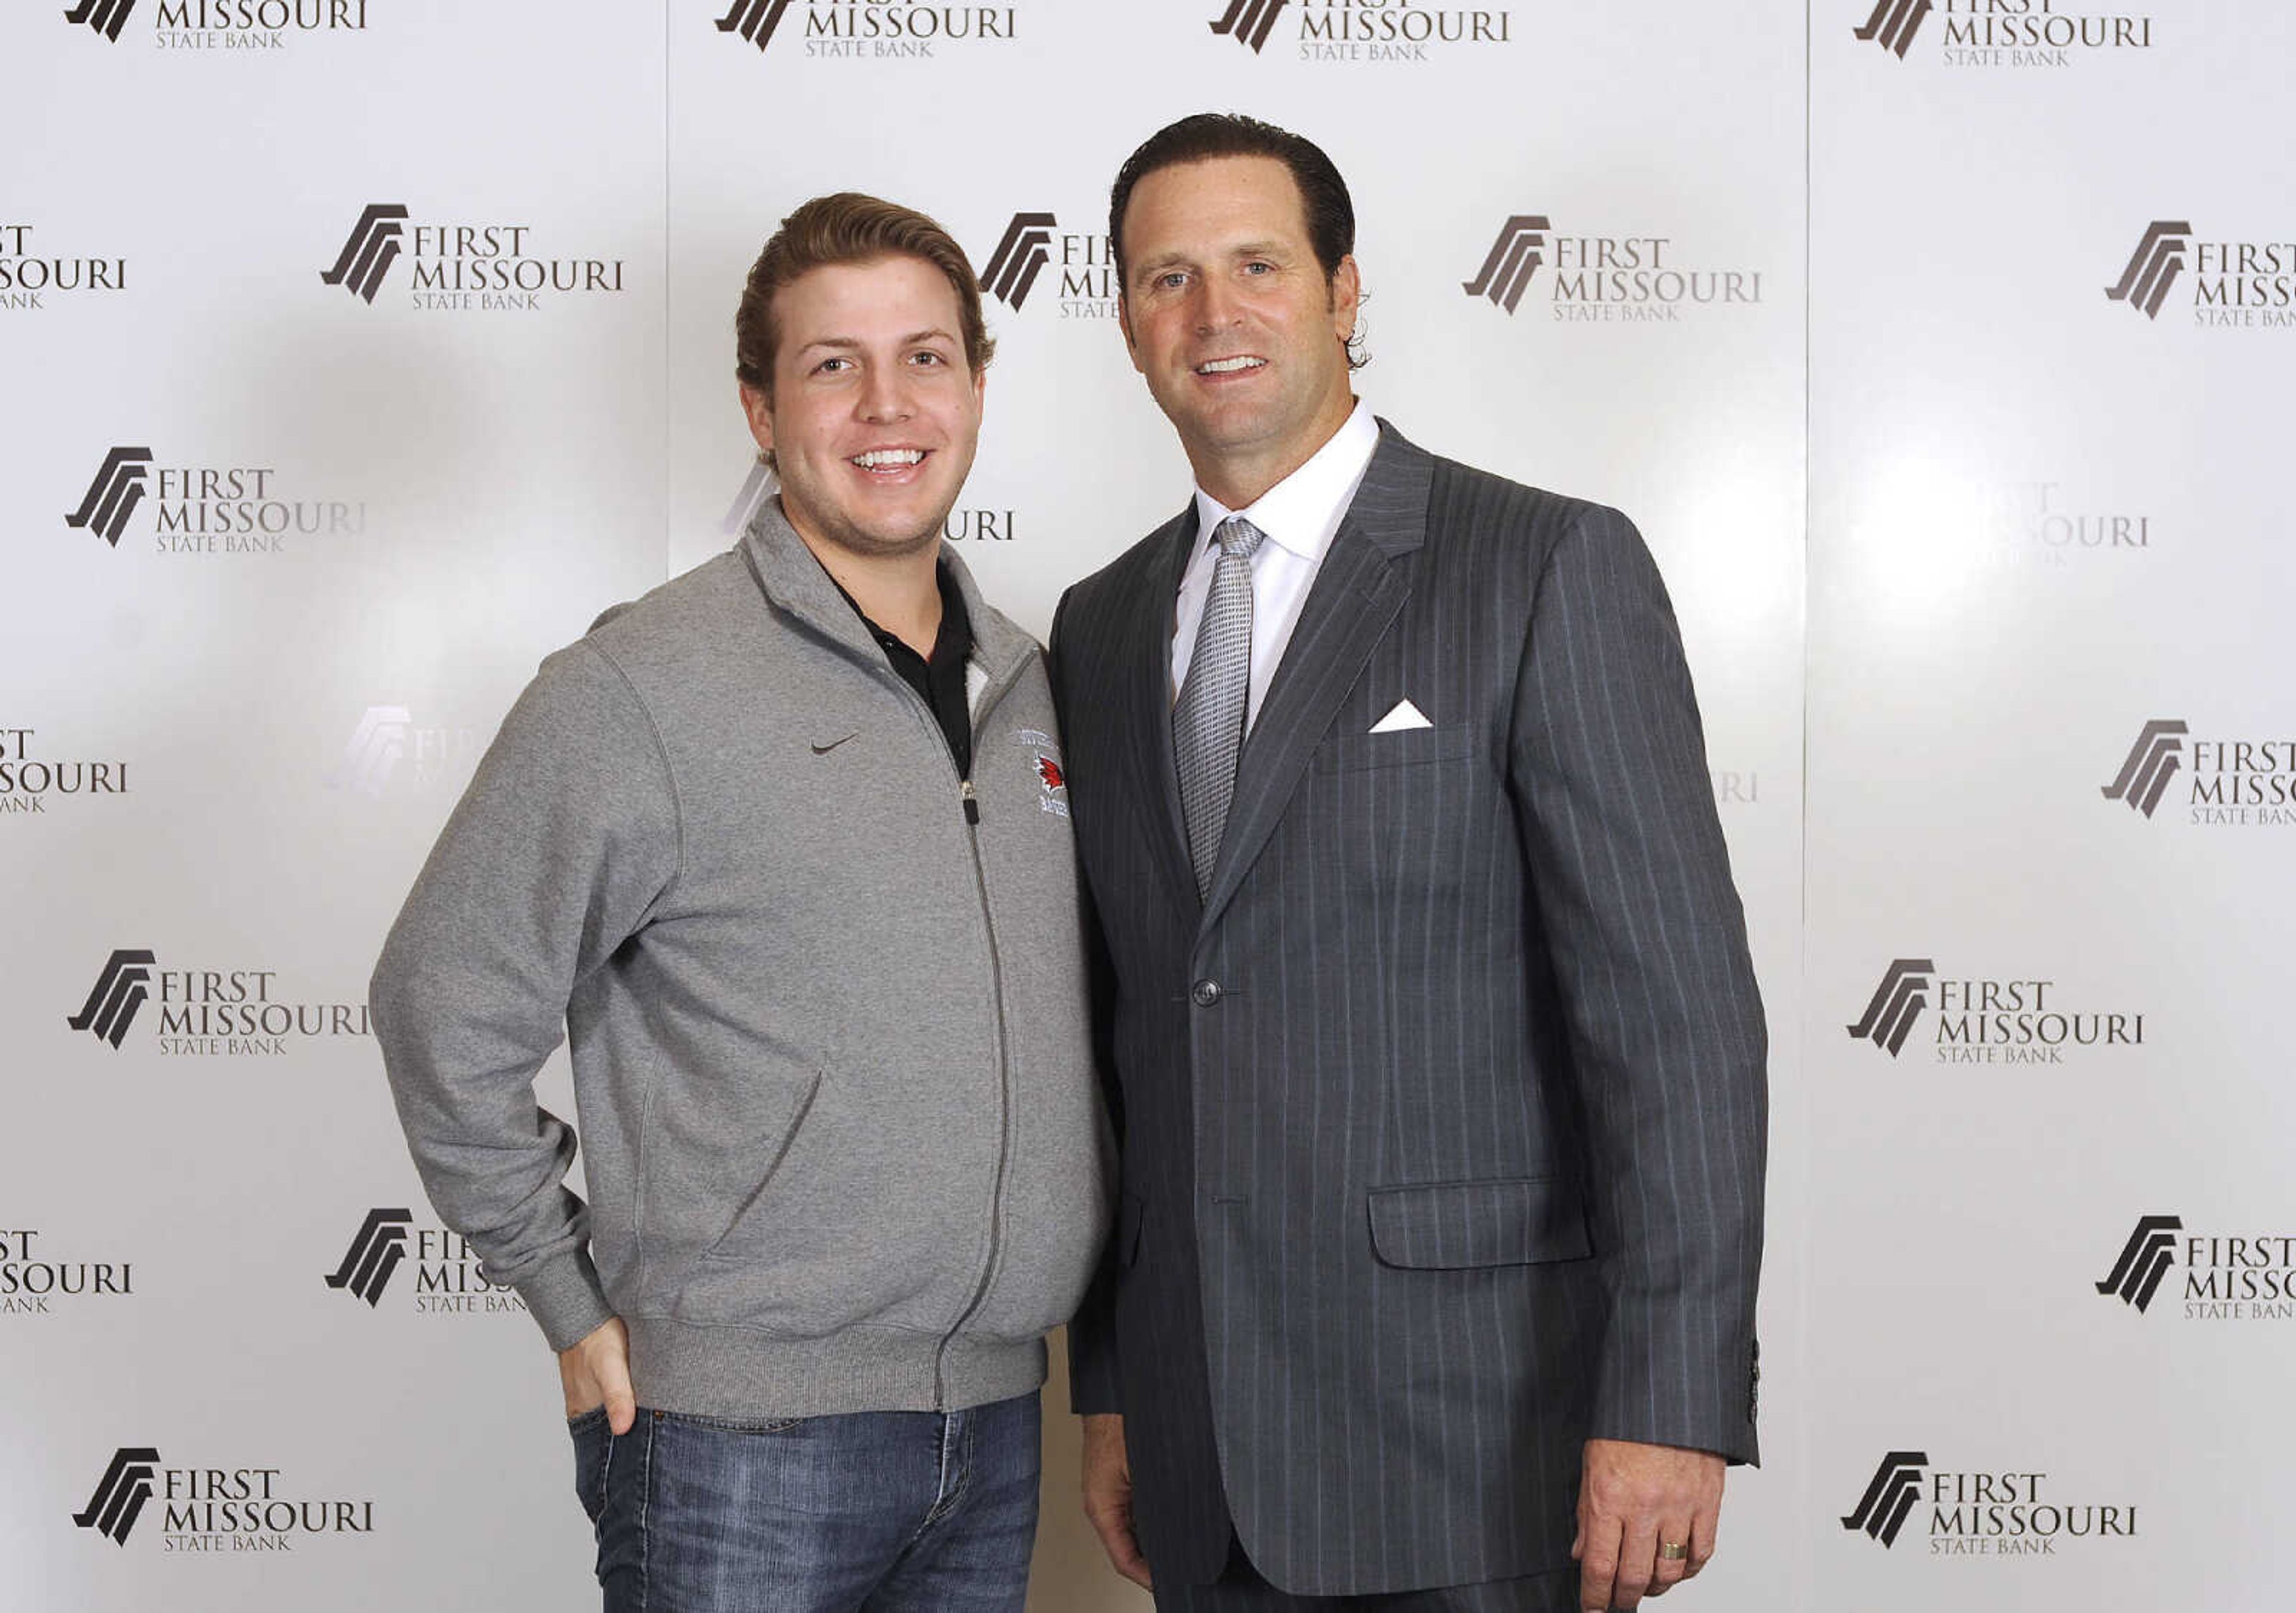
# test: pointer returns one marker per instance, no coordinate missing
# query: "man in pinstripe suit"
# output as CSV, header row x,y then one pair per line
x,y
1434,1042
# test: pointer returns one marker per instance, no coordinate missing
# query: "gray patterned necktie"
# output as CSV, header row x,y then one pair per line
x,y
1208,721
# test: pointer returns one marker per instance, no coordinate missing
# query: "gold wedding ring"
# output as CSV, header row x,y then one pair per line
x,y
1672,1551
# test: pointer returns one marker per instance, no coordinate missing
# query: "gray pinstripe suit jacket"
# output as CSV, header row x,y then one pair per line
x,y
1442,1118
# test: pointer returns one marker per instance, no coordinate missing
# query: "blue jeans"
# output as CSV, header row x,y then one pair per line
x,y
872,1512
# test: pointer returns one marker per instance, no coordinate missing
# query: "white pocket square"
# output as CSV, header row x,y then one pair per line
x,y
1405,715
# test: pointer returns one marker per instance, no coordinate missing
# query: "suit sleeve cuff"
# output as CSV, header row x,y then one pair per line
x,y
1720,1416
1091,1369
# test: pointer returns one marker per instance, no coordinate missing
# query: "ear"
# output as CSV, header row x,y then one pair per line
x,y
757,409
1347,292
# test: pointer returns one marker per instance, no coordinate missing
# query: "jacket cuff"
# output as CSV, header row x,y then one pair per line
x,y
1092,1364
566,1298
1719,1411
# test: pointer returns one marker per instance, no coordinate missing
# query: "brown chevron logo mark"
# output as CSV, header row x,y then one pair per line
x,y
1896,1484
2154,267
1022,253
1898,1002
370,251
754,19
1514,258
1249,22
2152,761
106,17
1894,23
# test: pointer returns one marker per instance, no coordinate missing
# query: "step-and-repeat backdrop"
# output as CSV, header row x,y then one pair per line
x,y
359,352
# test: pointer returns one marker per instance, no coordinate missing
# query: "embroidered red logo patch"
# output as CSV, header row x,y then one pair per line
x,y
1050,771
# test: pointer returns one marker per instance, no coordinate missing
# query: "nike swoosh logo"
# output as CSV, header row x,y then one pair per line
x,y
833,744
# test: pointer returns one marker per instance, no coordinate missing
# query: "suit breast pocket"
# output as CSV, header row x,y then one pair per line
x,y
1403,747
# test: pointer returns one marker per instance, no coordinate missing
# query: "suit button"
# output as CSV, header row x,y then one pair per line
x,y
1204,993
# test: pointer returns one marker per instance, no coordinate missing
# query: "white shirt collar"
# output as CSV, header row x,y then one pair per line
x,y
1302,513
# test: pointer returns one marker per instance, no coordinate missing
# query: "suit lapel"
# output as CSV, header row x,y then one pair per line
x,y
1357,591
1145,671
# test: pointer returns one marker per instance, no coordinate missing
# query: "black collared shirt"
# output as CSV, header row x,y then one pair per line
x,y
940,681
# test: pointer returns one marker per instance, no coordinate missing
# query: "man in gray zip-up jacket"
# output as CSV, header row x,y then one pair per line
x,y
784,846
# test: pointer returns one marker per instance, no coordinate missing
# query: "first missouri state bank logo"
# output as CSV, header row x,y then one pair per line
x,y
755,21
1898,1002
2154,267
1361,31
1608,278
31,274
2248,782
378,745
449,1278
106,17
214,1508
1897,1485
2004,33
1020,256
1514,258
390,751
1082,263
1249,22
1894,23
2152,762
179,25
208,1012
2145,1259
121,988
112,496
376,1248
485,266
120,1494
875,28
1980,1513
34,1282
1988,1019
2228,1276
370,250
2236,284
207,508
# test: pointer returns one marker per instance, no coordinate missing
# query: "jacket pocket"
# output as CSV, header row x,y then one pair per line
x,y
1346,751
771,1141
1449,1225
814,1233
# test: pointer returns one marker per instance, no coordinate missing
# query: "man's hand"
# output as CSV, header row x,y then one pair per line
x,y
1108,1496
596,1372
1633,1498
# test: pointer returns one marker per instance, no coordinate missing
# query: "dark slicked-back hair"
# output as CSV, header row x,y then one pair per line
x,y
848,227
1206,135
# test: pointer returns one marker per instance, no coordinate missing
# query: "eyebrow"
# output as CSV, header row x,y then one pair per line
x,y
844,343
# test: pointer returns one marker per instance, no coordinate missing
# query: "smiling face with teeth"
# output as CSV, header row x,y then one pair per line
x,y
872,416
1239,333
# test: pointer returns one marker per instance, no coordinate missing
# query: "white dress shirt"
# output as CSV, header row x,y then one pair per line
x,y
1301,516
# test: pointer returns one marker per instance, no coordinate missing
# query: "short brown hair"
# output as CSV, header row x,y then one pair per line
x,y
848,227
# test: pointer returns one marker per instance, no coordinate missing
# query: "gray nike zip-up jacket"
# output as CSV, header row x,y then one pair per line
x,y
826,1004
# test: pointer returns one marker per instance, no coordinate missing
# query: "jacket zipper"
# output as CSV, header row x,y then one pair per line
x,y
1004,1101
970,800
